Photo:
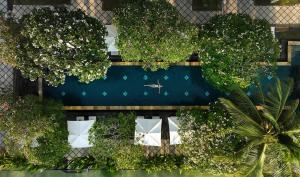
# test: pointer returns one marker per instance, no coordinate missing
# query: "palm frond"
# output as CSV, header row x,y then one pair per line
x,y
259,95
269,117
290,144
257,169
292,131
278,96
287,118
239,114
249,131
243,102
246,150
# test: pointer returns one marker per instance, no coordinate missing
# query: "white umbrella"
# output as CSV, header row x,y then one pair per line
x,y
173,128
79,133
148,132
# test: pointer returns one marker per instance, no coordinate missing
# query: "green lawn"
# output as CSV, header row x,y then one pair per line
x,y
52,173
280,2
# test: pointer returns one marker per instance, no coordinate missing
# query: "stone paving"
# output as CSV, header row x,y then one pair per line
x,y
274,14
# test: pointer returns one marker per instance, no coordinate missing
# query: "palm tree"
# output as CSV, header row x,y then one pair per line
x,y
273,126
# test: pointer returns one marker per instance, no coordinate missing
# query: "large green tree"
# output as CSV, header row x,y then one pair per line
x,y
34,129
151,31
60,42
271,131
208,139
236,50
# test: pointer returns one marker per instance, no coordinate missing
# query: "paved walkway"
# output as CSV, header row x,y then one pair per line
x,y
274,14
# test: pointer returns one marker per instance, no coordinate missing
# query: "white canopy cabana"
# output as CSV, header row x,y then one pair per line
x,y
173,128
79,133
148,132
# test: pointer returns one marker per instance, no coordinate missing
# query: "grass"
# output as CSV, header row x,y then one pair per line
x,y
41,2
207,5
280,2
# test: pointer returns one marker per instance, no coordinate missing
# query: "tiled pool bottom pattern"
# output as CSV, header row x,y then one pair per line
x,y
124,86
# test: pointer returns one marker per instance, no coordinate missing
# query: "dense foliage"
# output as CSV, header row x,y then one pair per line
x,y
272,146
208,141
108,135
159,163
34,130
59,42
151,31
7,41
231,48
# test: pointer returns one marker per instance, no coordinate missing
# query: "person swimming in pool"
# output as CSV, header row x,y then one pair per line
x,y
158,86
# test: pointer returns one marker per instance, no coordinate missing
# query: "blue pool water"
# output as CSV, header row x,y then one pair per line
x,y
296,55
124,86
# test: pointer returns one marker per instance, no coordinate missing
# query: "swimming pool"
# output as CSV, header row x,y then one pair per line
x,y
125,86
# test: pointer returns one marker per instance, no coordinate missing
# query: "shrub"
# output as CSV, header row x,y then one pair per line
x,y
151,31
208,142
59,42
232,45
27,120
163,163
108,135
7,41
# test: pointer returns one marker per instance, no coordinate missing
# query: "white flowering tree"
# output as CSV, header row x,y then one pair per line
x,y
59,42
231,48
208,142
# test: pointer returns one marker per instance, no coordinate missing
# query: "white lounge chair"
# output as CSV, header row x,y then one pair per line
x,y
155,117
93,118
80,118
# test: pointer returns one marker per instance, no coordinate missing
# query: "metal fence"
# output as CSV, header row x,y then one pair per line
x,y
276,15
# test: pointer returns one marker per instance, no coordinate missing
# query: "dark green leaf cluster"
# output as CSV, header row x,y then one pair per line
x,y
60,42
151,31
112,140
236,50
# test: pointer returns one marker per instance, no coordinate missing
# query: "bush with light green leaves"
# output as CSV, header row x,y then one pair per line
x,y
60,42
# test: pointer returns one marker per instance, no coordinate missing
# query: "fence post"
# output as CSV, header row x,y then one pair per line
x,y
40,88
